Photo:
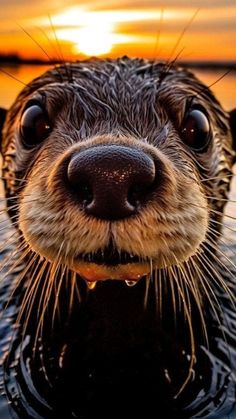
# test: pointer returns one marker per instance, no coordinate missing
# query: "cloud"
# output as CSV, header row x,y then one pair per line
x,y
135,4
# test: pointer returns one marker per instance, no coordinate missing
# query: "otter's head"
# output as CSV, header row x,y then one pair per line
x,y
118,169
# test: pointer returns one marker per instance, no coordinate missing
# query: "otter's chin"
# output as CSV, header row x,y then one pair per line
x,y
91,271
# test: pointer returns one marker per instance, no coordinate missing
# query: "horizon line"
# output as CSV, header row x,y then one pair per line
x,y
15,59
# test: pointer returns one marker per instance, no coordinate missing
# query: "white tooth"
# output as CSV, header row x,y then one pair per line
x,y
91,285
131,283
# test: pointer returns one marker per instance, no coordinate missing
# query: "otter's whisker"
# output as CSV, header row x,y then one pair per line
x,y
217,259
52,46
191,335
206,286
73,286
155,51
217,177
62,269
172,284
30,295
20,279
5,177
182,35
148,281
41,304
215,198
227,244
224,225
231,217
214,275
45,296
183,281
8,242
35,41
190,276
23,252
13,77
60,53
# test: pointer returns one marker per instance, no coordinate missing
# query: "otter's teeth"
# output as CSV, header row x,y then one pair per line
x,y
130,283
91,285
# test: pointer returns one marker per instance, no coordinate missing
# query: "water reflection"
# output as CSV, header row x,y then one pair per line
x,y
11,86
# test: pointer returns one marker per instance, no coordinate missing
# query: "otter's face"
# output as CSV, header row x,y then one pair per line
x,y
114,166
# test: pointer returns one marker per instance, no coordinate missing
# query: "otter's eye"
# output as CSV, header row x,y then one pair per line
x,y
34,125
196,130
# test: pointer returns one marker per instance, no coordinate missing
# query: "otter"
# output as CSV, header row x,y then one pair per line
x,y
116,175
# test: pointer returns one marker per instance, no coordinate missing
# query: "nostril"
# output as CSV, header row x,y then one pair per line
x,y
84,193
79,182
136,195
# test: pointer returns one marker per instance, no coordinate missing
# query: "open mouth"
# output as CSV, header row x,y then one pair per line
x,y
110,263
109,257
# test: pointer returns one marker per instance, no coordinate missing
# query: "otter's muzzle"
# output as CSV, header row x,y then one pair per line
x,y
111,182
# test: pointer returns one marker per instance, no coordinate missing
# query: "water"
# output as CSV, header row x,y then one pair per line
x,y
225,91
22,74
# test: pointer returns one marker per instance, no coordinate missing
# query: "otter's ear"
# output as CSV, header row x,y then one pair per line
x,y
232,122
3,113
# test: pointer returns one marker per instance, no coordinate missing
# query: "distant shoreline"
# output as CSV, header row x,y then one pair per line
x,y
15,60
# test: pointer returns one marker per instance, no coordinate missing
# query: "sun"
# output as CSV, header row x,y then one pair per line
x,y
94,33
89,40
84,31
93,41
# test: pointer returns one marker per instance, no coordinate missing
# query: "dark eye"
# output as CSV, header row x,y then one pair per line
x,y
196,130
34,125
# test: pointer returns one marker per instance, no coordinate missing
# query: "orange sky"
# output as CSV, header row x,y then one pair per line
x,y
114,28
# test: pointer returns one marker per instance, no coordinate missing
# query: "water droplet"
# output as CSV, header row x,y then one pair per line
x,y
130,283
91,285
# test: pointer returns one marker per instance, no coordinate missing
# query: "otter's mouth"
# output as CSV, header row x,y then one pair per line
x,y
110,263
110,257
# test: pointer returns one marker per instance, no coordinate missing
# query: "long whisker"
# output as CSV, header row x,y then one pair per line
x,y
215,274
182,35
221,77
21,254
13,77
35,41
43,304
194,287
191,335
158,34
206,285
68,73
207,288
217,177
30,296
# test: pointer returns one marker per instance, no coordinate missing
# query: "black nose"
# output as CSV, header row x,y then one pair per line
x,y
110,181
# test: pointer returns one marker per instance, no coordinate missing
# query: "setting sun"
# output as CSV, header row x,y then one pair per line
x,y
88,40
93,41
97,33
94,33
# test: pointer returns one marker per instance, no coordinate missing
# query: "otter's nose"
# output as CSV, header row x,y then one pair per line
x,y
110,181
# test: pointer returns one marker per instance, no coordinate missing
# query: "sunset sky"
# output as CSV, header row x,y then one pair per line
x,y
112,28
